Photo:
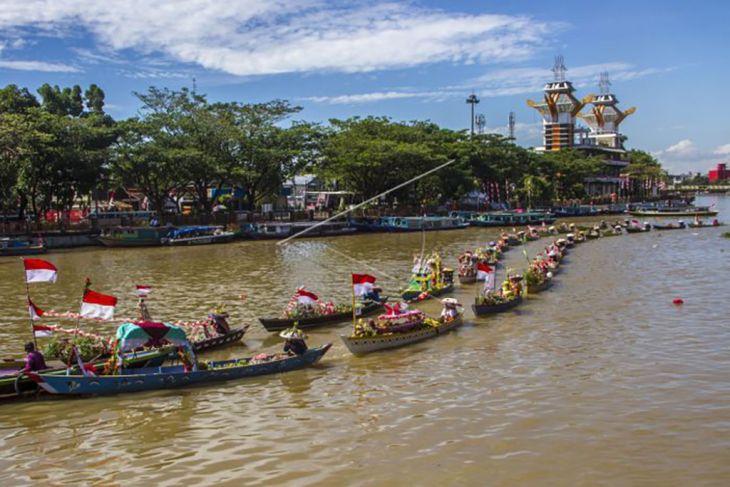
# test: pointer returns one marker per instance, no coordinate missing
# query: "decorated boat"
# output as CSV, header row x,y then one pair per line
x,y
701,224
402,328
21,246
538,277
504,299
117,380
202,235
497,307
308,311
429,279
467,267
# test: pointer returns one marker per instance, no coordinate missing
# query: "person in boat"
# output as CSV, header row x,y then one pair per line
x,y
34,360
142,312
450,310
373,295
295,341
219,320
715,223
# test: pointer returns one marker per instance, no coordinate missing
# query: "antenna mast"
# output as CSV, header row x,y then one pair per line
x,y
511,125
559,68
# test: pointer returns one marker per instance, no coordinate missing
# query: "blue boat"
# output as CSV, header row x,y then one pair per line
x,y
154,378
21,246
505,218
131,336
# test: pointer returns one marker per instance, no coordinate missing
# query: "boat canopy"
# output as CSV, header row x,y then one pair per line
x,y
150,334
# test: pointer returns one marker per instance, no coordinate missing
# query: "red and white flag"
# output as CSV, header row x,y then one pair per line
x,y
35,311
483,270
487,273
38,270
362,284
143,291
97,305
305,297
40,331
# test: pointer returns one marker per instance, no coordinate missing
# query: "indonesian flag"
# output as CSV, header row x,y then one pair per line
x,y
305,297
38,270
40,331
34,311
97,305
362,284
143,291
483,270
487,273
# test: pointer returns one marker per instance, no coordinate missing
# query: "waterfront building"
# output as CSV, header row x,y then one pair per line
x,y
560,110
720,173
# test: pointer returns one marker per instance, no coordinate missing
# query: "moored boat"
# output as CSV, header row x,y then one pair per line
x,y
408,223
688,211
21,246
134,236
670,226
281,230
202,235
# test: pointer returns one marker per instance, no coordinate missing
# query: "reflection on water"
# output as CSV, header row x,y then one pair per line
x,y
600,380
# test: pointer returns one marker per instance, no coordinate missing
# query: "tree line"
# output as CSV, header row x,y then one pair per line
x,y
58,147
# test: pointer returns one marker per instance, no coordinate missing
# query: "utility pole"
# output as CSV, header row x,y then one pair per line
x,y
512,125
472,100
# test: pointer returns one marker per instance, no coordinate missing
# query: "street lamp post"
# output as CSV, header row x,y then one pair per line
x,y
472,100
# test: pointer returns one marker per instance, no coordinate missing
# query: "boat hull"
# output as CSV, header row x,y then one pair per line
x,y
364,345
279,324
485,309
233,336
411,296
681,226
171,377
539,287
16,251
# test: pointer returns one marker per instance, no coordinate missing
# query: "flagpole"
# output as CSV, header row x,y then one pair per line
x,y
78,323
354,313
27,295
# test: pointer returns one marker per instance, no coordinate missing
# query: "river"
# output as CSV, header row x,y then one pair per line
x,y
599,381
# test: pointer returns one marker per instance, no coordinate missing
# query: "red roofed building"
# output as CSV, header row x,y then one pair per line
x,y
720,173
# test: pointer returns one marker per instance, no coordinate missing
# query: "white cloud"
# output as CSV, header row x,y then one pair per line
x,y
37,66
685,155
255,37
378,96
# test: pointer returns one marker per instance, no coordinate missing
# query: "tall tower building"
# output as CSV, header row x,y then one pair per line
x,y
604,117
558,109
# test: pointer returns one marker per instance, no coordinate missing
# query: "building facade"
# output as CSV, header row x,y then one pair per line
x,y
560,109
720,173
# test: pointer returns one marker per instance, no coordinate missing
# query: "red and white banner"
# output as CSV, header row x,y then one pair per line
x,y
305,297
362,284
97,305
34,311
143,291
40,331
38,270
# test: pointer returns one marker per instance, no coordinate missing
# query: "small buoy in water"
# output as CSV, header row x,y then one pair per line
x,y
678,301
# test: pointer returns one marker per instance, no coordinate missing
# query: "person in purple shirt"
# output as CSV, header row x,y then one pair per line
x,y
34,360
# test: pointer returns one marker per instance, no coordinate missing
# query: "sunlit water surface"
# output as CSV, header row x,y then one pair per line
x,y
599,381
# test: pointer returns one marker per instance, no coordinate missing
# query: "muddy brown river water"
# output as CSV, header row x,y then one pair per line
x,y
599,381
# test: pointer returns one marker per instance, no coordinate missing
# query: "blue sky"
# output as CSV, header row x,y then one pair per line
x,y
405,60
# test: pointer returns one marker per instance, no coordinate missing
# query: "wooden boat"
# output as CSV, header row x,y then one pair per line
x,y
467,279
18,382
689,211
279,324
669,226
408,223
17,246
704,225
367,344
538,288
154,378
281,230
198,236
645,228
592,235
412,295
487,309
134,236
233,336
